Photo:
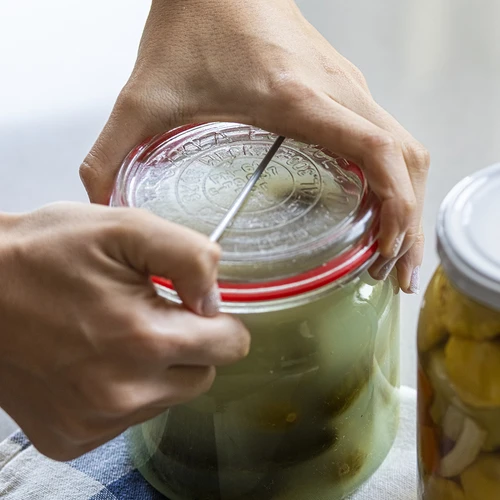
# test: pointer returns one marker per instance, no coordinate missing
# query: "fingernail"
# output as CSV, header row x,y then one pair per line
x,y
211,303
398,243
384,272
415,281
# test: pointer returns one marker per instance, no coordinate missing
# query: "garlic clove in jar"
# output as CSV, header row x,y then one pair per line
x,y
453,423
466,449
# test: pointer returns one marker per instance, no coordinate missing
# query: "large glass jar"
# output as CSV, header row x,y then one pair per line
x,y
313,410
459,349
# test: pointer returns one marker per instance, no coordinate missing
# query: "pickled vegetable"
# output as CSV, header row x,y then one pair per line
x,y
442,489
432,330
474,370
481,481
466,449
465,318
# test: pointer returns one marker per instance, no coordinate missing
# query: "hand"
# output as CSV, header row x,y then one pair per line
x,y
88,347
261,63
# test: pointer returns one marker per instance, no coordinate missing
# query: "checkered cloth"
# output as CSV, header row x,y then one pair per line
x,y
108,474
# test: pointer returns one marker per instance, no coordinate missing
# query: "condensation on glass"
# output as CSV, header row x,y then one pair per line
x,y
459,349
314,409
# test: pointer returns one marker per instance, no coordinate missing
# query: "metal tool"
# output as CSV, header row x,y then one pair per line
x,y
238,203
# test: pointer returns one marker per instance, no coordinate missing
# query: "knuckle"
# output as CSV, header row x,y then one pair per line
x,y
213,254
420,239
142,340
408,207
121,403
286,87
380,142
131,100
145,100
415,238
239,340
93,169
204,260
357,75
417,156
88,171
123,225
179,344
117,401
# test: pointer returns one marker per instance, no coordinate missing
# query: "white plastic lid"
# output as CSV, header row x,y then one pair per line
x,y
469,236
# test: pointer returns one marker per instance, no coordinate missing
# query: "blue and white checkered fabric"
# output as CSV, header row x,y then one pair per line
x,y
108,474
104,474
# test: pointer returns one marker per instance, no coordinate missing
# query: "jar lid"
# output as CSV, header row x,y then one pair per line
x,y
469,237
310,220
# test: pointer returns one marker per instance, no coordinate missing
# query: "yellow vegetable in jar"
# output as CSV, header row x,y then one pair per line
x,y
441,489
481,481
474,370
466,318
446,311
431,328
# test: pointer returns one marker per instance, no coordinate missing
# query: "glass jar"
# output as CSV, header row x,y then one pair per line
x,y
313,410
459,349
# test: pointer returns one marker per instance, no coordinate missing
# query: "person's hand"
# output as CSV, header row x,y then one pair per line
x,y
88,347
261,63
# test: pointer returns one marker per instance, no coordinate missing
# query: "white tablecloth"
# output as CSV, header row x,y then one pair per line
x,y
397,477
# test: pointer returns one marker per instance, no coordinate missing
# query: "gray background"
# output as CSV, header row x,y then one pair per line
x,y
434,64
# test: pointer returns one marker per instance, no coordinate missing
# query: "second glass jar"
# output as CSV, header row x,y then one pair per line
x,y
459,349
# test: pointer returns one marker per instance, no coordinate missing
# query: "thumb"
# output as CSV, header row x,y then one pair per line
x,y
155,247
127,127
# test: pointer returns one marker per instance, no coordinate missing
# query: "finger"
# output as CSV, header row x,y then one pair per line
x,y
382,268
135,403
156,247
408,267
417,161
187,339
408,264
320,119
183,384
161,389
128,126
415,155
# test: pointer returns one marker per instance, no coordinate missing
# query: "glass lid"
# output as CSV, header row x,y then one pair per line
x,y
311,212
